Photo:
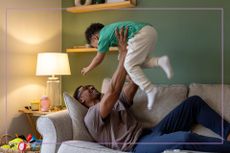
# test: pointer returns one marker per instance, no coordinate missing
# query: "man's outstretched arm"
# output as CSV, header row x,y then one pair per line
x,y
111,96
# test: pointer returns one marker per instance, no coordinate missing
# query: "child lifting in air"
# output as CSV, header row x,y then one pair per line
x,y
142,39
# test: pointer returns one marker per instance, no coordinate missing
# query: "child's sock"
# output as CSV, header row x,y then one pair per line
x,y
151,95
164,63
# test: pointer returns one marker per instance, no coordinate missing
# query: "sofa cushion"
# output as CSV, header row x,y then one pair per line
x,y
167,98
84,147
212,93
77,113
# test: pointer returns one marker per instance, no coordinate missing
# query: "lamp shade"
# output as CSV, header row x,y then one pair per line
x,y
52,63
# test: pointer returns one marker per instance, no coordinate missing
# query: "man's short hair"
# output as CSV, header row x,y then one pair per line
x,y
92,29
76,94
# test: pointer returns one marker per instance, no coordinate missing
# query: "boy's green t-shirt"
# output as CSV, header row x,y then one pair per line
x,y
107,36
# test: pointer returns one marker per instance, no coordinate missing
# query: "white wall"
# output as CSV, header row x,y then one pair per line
x,y
29,31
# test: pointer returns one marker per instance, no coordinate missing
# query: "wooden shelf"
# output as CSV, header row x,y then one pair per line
x,y
104,6
82,49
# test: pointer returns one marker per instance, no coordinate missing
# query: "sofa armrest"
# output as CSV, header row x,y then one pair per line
x,y
54,128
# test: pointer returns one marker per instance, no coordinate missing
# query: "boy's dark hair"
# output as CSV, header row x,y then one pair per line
x,y
92,29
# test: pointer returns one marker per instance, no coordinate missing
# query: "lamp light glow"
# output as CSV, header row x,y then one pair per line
x,y
51,64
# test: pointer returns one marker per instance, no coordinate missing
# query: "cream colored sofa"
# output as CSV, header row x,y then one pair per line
x,y
57,129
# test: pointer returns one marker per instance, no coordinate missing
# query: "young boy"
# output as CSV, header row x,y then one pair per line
x,y
141,41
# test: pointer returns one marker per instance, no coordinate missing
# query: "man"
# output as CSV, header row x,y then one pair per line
x,y
111,123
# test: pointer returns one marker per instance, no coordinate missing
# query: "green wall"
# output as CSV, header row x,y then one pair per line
x,y
192,40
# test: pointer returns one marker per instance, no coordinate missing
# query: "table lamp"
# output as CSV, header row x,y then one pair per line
x,y
53,64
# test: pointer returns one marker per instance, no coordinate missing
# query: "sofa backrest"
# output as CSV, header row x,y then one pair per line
x,y
215,96
167,98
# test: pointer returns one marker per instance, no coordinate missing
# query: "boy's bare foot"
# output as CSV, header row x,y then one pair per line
x,y
228,138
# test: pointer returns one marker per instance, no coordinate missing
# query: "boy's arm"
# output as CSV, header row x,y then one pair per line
x,y
95,62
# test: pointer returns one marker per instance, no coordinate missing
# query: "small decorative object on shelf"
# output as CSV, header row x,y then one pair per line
x,y
98,1
34,105
86,46
78,2
45,103
114,1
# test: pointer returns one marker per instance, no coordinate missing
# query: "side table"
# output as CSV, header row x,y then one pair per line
x,y
30,117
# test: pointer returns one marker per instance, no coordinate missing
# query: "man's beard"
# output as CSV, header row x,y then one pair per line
x,y
97,95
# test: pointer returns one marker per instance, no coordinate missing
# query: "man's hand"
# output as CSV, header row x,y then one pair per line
x,y
122,39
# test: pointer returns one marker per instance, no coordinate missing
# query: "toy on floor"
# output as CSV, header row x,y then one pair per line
x,y
13,144
22,144
35,144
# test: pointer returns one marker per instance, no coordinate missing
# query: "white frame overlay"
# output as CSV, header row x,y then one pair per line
x,y
133,9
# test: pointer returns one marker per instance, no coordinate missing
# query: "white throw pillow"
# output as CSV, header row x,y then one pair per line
x,y
77,113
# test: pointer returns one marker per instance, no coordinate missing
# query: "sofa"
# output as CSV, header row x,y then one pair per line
x,y
64,131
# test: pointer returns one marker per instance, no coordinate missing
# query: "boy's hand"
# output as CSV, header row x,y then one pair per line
x,y
84,71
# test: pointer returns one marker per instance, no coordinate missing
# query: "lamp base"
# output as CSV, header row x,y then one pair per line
x,y
53,90
52,78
